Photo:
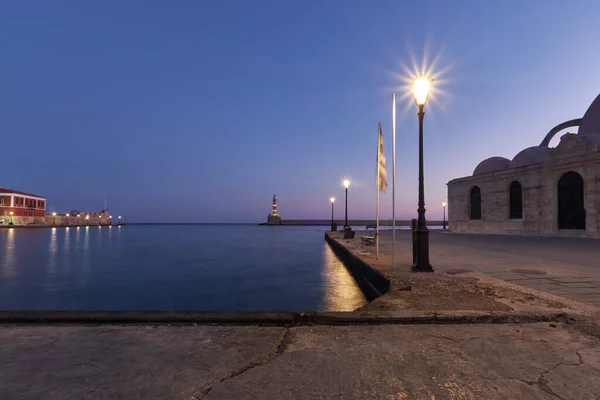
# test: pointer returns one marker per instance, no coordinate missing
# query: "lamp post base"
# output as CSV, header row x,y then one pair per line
x,y
422,260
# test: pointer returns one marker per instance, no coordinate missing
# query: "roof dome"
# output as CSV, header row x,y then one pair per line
x,y
529,156
590,123
491,164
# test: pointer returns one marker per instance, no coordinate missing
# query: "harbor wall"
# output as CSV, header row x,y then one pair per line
x,y
371,282
355,222
59,220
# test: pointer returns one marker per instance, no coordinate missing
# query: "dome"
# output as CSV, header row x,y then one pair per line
x,y
590,123
529,156
491,164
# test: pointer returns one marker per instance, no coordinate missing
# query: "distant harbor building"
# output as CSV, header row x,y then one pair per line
x,y
541,191
21,204
274,218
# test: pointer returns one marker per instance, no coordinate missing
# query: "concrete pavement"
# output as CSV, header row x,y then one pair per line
x,y
563,266
473,361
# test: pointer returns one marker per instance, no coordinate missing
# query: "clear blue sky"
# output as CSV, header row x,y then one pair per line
x,y
201,110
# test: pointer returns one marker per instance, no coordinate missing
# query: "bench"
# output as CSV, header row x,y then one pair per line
x,y
368,240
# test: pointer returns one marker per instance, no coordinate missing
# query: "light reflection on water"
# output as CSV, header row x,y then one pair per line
x,y
342,293
9,261
52,252
178,267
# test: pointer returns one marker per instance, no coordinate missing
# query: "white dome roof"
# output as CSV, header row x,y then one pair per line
x,y
491,164
529,156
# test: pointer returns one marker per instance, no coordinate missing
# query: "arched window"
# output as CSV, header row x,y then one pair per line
x,y
515,200
476,203
571,210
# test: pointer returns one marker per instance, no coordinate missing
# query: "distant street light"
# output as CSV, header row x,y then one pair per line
x,y
332,199
346,184
87,219
421,87
444,221
67,219
54,219
11,218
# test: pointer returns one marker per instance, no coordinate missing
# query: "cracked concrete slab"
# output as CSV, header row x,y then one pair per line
x,y
126,362
533,361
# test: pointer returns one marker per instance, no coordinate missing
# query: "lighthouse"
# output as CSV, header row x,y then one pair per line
x,y
274,218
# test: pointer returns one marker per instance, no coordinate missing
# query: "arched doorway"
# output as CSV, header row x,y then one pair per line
x,y
571,211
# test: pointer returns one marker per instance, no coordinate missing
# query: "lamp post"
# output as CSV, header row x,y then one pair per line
x,y
119,220
67,219
11,218
54,218
421,88
444,220
346,184
87,219
332,199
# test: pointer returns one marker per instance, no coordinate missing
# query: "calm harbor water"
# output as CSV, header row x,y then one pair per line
x,y
173,267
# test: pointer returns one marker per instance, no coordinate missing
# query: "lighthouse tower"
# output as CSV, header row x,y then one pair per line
x,y
274,218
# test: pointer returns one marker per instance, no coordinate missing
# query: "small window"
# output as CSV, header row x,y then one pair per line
x,y
516,200
1,202
475,203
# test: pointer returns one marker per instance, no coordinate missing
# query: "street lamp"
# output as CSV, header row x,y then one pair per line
x,y
421,87
67,219
346,184
54,219
11,218
444,221
332,199
87,219
119,220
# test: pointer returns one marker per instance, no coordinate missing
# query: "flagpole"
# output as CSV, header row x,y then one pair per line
x,y
393,180
378,189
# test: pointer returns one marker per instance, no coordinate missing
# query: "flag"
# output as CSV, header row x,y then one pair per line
x,y
382,174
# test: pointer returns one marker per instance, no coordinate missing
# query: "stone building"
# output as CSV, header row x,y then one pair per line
x,y
541,191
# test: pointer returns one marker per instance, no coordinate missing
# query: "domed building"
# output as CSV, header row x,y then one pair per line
x,y
541,191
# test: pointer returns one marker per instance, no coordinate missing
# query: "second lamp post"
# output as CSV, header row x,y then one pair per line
x,y
444,221
346,184
332,199
421,88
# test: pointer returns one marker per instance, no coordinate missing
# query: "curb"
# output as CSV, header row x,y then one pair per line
x,y
270,318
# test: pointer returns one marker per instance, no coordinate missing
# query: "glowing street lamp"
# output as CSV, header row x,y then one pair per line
x,y
11,218
332,199
444,221
421,88
67,219
54,219
87,219
346,184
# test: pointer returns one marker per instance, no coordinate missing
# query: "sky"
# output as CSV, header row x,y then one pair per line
x,y
199,111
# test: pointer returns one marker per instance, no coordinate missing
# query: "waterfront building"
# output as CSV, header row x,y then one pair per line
x,y
20,204
541,191
274,218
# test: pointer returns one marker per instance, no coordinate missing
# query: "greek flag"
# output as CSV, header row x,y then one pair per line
x,y
381,172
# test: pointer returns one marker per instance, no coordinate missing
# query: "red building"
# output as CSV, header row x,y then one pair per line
x,y
20,204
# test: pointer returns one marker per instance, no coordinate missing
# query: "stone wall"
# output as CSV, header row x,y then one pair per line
x,y
59,220
23,220
539,190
